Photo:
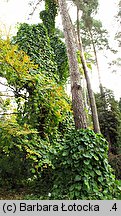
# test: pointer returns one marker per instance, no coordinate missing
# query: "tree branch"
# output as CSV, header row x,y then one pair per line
x,y
13,113
1,95
7,86
34,8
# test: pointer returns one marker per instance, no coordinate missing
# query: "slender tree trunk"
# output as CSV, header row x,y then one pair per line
x,y
89,88
77,99
96,59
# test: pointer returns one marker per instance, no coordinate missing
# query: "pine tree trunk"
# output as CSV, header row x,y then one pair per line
x,y
89,88
77,99
96,60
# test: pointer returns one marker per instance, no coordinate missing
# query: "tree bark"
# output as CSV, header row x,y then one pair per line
x,y
89,87
96,60
77,99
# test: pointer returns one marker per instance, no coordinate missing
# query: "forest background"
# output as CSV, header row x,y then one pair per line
x,y
46,135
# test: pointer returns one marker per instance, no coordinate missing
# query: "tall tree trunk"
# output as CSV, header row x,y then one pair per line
x,y
77,99
89,88
96,60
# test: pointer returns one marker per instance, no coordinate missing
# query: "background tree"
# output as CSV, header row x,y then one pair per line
x,y
118,34
116,63
85,69
94,38
120,104
109,118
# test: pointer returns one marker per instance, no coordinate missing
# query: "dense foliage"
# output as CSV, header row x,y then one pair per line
x,y
43,45
41,101
109,118
21,152
74,167
110,122
39,145
83,171
34,40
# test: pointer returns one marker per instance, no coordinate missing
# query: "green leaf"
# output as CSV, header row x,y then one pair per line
x,y
77,178
90,166
33,170
96,157
98,172
87,155
86,183
86,162
100,179
78,187
72,188
71,195
92,173
77,193
65,153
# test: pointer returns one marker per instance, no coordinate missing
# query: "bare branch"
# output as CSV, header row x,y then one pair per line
x,y
16,93
35,7
7,86
13,113
2,95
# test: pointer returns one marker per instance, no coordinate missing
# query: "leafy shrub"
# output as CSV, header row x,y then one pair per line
x,y
24,155
74,166
115,161
82,169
